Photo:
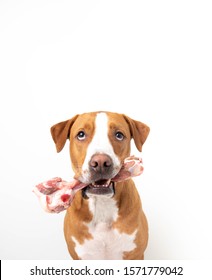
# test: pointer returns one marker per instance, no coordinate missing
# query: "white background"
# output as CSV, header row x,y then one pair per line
x,y
151,60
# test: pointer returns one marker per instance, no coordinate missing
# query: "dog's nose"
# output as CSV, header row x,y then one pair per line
x,y
100,163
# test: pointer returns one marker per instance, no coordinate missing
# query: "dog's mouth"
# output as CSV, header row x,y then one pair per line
x,y
99,188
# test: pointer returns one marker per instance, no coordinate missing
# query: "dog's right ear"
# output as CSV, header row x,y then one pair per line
x,y
60,132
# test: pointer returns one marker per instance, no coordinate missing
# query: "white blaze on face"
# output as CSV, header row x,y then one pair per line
x,y
100,144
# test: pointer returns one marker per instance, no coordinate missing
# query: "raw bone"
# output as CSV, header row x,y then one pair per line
x,y
56,195
132,167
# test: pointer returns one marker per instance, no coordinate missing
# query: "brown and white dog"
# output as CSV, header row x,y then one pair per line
x,y
105,220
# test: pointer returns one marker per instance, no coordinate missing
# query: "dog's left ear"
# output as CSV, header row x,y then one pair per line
x,y
139,132
60,132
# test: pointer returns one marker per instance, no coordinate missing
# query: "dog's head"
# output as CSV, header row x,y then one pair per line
x,y
99,143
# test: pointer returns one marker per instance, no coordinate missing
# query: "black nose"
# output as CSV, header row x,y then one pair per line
x,y
100,163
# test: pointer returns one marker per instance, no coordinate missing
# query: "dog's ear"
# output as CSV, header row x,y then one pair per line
x,y
139,132
60,132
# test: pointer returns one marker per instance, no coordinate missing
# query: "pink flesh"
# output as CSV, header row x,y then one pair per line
x,y
56,195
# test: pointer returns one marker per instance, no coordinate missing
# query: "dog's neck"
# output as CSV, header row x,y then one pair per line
x,y
104,210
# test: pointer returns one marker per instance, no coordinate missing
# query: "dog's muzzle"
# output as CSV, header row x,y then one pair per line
x,y
101,170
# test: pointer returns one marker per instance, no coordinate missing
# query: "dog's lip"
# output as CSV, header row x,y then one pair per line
x,y
103,183
102,190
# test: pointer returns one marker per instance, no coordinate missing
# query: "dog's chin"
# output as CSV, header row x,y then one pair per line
x,y
101,188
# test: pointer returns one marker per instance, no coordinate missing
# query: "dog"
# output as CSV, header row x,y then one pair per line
x,y
105,220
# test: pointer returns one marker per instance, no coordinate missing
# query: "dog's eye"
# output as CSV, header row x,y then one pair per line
x,y
81,135
119,136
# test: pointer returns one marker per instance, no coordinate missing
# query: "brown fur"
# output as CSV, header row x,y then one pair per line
x,y
131,215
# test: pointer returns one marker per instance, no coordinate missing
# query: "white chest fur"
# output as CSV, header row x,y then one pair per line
x,y
107,243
